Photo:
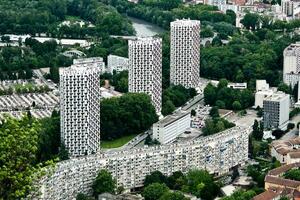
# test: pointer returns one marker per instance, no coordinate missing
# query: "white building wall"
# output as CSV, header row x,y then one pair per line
x,y
276,110
217,154
284,111
167,132
185,53
93,61
117,63
260,96
291,79
145,71
80,109
262,85
291,64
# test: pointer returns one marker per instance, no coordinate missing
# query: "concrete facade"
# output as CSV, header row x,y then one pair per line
x,y
291,64
145,68
217,154
169,128
262,92
93,61
276,111
80,109
117,63
185,53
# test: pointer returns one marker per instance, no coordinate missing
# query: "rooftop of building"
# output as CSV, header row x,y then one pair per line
x,y
145,40
88,60
79,69
172,118
286,146
267,195
292,47
294,154
277,96
282,181
185,22
109,92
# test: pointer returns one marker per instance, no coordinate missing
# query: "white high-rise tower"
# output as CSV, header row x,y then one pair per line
x,y
80,109
185,53
291,64
145,68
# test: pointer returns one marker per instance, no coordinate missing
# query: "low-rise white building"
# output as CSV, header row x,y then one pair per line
x,y
239,86
170,127
117,63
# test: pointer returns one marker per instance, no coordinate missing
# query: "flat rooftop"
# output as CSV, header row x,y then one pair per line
x,y
172,118
278,96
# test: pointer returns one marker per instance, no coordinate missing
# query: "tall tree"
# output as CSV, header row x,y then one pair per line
x,y
104,183
18,145
154,191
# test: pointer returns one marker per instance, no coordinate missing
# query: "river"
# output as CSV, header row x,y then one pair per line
x,y
145,29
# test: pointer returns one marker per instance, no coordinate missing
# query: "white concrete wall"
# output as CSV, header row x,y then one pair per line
x,y
217,154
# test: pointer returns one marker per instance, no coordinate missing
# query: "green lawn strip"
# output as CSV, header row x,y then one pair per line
x,y
117,142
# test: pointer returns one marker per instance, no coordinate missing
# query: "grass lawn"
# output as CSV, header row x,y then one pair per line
x,y
117,142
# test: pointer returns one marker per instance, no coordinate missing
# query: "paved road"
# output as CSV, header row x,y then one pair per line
x,y
291,134
38,74
193,103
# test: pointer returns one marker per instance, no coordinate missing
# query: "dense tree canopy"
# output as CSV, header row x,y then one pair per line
x,y
175,96
201,184
197,182
228,98
36,17
18,145
154,191
31,143
104,183
129,114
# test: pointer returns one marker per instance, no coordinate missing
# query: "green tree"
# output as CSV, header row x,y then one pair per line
x,y
257,130
214,112
155,177
193,112
293,174
63,152
250,21
18,142
220,104
154,191
49,139
206,32
167,108
176,181
173,196
54,74
104,183
81,196
236,105
284,88
201,184
129,114
210,94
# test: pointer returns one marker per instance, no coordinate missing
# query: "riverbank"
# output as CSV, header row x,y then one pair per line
x,y
145,29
